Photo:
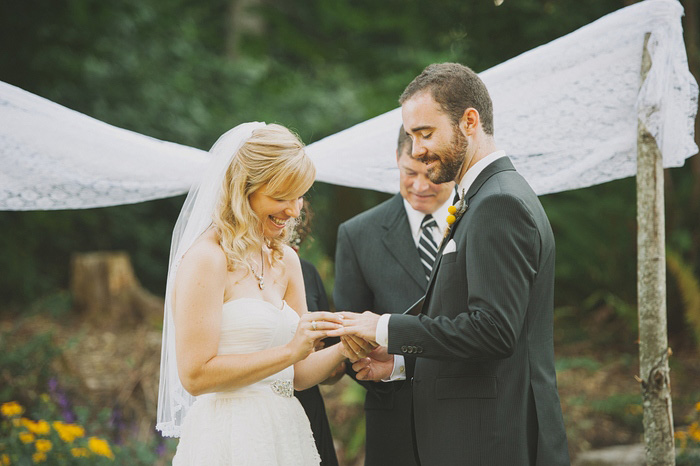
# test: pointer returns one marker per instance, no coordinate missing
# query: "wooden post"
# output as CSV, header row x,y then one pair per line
x,y
651,293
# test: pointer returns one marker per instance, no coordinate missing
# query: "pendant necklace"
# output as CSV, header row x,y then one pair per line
x,y
261,277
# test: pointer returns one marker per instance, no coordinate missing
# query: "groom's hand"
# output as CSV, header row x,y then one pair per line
x,y
362,325
355,348
377,366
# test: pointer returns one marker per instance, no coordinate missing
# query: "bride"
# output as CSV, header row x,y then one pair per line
x,y
237,336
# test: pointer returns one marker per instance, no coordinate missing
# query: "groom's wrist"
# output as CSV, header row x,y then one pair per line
x,y
399,370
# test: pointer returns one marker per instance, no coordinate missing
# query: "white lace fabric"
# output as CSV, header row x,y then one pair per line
x,y
53,158
566,112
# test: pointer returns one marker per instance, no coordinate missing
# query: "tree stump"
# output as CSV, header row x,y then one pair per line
x,y
106,290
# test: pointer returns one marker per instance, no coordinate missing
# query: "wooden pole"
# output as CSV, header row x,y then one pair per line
x,y
651,293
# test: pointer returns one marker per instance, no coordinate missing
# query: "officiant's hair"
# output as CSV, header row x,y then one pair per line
x,y
404,143
455,88
273,158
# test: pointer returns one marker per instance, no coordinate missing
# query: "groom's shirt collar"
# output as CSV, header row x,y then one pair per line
x,y
469,177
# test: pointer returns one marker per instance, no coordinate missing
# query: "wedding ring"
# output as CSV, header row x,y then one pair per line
x,y
313,325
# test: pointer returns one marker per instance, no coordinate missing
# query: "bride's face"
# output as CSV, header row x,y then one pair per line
x,y
274,213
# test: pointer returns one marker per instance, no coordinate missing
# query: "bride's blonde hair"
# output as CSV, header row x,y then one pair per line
x,y
273,157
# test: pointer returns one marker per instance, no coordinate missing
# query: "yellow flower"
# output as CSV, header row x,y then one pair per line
x,y
697,406
26,437
39,457
43,445
68,432
634,409
100,446
11,409
5,460
78,452
39,427
694,427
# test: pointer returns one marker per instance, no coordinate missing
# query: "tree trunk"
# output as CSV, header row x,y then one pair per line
x,y
651,294
106,290
242,19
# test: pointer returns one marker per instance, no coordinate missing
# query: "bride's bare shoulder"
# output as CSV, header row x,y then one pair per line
x,y
205,255
290,258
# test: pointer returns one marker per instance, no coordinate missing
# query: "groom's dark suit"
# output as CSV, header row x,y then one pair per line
x,y
484,385
378,269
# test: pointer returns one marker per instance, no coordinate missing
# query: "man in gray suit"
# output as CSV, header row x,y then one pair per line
x,y
484,384
379,267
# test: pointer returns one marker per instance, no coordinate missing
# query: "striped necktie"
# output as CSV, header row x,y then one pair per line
x,y
427,248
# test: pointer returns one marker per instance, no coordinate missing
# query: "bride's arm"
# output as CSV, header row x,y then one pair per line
x,y
318,366
199,298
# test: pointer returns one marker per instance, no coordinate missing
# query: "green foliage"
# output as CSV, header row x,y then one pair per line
x,y
30,376
25,366
689,289
566,363
37,246
624,408
688,440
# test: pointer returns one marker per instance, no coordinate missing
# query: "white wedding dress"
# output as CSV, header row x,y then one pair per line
x,y
261,424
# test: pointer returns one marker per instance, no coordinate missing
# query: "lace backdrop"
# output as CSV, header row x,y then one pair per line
x,y
566,113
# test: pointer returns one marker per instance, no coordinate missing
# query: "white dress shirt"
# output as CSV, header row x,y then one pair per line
x,y
382,332
415,218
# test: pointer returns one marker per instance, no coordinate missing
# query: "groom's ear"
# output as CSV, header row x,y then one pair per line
x,y
470,121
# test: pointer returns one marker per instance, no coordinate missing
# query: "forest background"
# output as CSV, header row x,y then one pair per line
x,y
187,71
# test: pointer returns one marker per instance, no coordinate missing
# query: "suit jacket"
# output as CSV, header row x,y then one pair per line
x,y
377,268
484,384
311,399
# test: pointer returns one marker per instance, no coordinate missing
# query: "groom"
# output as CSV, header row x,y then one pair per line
x,y
479,344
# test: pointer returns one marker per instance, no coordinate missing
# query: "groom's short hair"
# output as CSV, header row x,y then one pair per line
x,y
455,88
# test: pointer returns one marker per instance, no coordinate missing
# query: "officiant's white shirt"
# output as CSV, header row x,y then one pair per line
x,y
382,332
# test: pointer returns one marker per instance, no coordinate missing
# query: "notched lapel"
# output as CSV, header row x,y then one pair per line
x,y
502,164
399,242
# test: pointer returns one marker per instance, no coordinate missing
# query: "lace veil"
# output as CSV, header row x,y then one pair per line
x,y
195,217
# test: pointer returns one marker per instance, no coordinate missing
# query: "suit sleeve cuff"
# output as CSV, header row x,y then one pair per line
x,y
382,336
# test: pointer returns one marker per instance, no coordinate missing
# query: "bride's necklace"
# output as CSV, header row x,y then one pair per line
x,y
261,277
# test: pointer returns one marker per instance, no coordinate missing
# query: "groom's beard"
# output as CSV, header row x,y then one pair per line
x,y
450,161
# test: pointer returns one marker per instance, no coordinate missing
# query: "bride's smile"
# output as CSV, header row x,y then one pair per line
x,y
274,213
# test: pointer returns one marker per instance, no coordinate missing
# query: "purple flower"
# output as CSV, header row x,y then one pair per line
x,y
61,399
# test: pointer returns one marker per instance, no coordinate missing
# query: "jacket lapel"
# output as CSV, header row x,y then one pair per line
x,y
399,242
499,165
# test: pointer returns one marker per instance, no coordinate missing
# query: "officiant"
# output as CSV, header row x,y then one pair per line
x,y
383,259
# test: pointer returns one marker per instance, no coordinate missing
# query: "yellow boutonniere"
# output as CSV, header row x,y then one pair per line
x,y
456,212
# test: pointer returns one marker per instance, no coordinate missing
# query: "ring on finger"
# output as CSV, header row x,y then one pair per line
x,y
313,325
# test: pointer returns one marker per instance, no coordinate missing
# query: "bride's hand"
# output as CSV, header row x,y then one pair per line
x,y
312,327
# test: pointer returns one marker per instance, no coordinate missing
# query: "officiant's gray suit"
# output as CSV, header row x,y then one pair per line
x,y
484,385
377,268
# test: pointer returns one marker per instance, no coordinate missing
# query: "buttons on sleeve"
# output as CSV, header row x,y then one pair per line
x,y
411,349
